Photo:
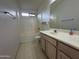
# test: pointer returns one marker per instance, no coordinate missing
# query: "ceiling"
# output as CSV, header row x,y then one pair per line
x,y
30,5
7,4
26,5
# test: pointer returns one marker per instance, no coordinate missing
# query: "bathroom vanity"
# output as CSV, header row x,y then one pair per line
x,y
60,45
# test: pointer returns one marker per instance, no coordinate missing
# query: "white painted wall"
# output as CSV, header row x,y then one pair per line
x,y
28,28
9,38
68,9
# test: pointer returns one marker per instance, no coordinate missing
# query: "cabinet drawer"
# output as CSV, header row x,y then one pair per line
x,y
61,55
51,40
73,53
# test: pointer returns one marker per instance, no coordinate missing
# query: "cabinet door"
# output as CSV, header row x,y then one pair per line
x,y
50,50
43,44
73,53
61,55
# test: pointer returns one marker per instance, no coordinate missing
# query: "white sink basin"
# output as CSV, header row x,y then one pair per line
x,y
52,32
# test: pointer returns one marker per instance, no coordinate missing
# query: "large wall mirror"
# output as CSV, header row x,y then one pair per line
x,y
64,15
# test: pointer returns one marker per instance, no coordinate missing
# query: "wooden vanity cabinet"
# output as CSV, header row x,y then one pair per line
x,y
43,43
48,46
71,52
50,50
55,49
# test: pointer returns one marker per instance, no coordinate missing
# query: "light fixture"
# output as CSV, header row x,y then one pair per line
x,y
52,1
31,15
25,14
52,17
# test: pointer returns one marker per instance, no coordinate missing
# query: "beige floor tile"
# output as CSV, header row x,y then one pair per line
x,y
30,50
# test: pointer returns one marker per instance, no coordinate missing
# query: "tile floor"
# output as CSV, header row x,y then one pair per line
x,y
30,50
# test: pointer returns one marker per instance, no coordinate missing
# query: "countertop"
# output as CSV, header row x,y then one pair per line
x,y
71,40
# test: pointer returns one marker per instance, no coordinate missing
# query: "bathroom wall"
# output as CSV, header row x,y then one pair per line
x,y
29,27
43,14
9,37
66,10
